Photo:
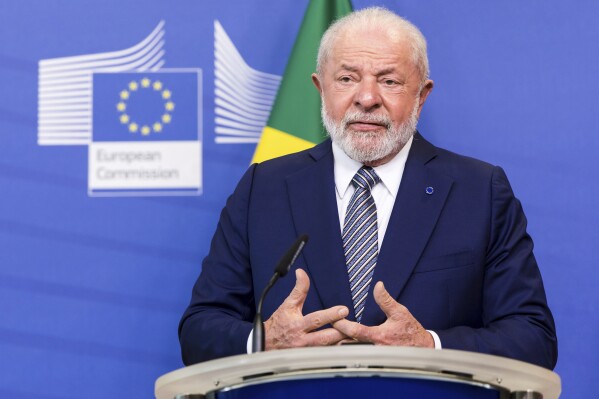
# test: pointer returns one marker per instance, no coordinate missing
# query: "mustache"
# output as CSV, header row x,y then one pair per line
x,y
352,117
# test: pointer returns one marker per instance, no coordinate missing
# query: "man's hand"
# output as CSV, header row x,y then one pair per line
x,y
400,328
289,328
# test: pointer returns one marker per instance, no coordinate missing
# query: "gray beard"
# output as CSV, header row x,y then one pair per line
x,y
369,146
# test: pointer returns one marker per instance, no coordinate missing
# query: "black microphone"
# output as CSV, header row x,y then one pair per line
x,y
280,271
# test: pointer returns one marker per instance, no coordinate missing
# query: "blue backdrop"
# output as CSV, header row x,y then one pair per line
x,y
92,289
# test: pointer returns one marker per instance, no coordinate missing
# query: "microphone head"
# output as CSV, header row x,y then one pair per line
x,y
289,258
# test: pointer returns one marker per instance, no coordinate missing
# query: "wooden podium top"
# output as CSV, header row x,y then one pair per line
x,y
509,374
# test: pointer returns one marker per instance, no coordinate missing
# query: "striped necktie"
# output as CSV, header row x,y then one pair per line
x,y
360,237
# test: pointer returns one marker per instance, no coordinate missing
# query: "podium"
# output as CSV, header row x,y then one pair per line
x,y
360,371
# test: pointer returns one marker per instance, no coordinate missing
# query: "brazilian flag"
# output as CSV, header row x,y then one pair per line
x,y
294,123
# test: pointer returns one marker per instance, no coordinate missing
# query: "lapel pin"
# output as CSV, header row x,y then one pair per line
x,y
429,190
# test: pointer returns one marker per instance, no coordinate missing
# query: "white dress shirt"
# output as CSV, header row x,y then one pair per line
x,y
383,194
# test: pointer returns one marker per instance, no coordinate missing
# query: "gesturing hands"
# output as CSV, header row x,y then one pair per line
x,y
289,328
400,328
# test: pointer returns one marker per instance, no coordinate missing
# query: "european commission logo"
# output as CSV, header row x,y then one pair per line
x,y
145,133
141,122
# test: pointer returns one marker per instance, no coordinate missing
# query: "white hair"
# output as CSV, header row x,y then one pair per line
x,y
381,18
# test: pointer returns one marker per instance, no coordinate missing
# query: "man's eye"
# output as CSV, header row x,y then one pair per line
x,y
345,79
389,82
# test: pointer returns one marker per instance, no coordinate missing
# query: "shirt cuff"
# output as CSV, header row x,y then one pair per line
x,y
434,335
249,343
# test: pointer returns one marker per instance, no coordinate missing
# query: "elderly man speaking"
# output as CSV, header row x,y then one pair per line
x,y
409,244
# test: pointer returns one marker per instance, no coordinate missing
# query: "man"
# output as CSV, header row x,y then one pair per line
x,y
409,244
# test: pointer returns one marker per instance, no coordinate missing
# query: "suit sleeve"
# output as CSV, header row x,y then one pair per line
x,y
517,322
217,322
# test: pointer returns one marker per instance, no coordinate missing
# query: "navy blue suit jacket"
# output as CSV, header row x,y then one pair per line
x,y
459,259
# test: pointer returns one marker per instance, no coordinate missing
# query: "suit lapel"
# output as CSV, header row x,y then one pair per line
x,y
412,221
314,210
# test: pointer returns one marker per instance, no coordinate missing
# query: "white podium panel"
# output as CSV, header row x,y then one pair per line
x,y
510,378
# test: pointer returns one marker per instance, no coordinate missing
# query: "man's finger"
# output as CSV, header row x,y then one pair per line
x,y
354,330
385,301
346,341
298,294
328,336
323,317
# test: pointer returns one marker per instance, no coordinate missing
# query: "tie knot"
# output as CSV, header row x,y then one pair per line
x,y
365,178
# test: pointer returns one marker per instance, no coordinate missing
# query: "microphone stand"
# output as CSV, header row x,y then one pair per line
x,y
258,338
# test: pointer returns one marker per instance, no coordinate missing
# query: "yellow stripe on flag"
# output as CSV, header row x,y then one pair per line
x,y
275,143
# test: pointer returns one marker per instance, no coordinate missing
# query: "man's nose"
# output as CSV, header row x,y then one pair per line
x,y
368,96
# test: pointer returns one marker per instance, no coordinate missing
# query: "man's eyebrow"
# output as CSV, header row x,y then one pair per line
x,y
349,68
385,71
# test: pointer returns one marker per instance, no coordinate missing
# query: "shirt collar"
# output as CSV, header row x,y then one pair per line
x,y
390,173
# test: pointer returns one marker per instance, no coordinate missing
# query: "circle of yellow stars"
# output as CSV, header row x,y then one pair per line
x,y
145,84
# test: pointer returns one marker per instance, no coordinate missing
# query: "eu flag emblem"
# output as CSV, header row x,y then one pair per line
x,y
145,106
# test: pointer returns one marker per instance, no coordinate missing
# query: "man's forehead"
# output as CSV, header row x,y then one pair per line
x,y
370,41
371,35
373,47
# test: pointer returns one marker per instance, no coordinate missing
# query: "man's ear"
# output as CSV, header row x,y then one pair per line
x,y
424,92
317,82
